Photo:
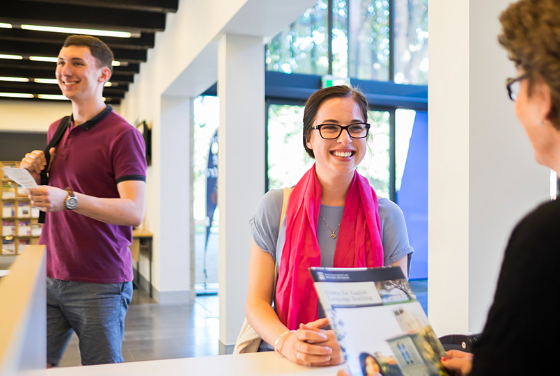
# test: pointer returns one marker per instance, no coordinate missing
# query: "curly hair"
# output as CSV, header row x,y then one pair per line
x,y
531,35
319,97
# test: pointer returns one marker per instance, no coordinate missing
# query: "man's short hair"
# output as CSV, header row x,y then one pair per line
x,y
99,50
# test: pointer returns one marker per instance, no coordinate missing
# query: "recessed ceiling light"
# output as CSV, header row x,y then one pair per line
x,y
4,25
46,81
52,96
16,95
53,81
72,30
50,59
11,57
44,58
14,79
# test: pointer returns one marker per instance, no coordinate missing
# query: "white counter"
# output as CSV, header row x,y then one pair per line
x,y
268,363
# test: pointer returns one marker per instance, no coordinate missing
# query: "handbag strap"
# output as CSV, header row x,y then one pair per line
x,y
53,142
286,196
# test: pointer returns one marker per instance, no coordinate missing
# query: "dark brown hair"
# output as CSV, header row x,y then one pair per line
x,y
319,97
99,50
531,36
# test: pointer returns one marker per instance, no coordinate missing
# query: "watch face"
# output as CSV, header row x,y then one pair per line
x,y
71,203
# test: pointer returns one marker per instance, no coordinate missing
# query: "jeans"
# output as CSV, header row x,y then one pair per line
x,y
95,311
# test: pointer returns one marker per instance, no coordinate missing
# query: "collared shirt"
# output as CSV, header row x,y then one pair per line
x,y
92,159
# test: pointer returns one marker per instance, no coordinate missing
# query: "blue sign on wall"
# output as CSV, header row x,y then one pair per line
x,y
413,195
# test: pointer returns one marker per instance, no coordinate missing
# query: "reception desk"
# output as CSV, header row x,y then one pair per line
x,y
268,364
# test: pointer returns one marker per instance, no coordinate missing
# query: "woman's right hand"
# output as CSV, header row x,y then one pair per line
x,y
458,361
312,346
305,346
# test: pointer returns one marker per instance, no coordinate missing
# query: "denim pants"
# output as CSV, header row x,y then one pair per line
x,y
95,311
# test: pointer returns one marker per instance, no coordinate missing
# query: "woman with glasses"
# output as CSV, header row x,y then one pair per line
x,y
333,218
522,319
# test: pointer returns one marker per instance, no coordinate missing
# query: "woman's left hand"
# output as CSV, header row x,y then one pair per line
x,y
458,361
337,356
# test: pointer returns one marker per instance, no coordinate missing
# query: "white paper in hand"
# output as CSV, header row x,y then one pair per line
x,y
20,176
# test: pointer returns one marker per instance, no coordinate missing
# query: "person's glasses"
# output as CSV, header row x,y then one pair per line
x,y
512,85
332,131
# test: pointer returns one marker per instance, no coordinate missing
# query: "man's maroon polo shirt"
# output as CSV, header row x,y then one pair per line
x,y
92,159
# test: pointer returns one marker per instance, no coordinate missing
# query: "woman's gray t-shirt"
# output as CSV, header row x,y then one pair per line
x,y
265,229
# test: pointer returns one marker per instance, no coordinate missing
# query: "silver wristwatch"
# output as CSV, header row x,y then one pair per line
x,y
71,201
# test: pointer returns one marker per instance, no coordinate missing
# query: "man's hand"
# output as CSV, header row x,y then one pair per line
x,y
35,162
458,361
46,198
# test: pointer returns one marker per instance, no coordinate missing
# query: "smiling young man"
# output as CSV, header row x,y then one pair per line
x,y
96,193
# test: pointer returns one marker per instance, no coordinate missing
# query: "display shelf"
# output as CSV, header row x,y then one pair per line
x,y
20,226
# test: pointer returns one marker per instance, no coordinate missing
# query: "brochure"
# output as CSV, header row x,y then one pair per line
x,y
378,321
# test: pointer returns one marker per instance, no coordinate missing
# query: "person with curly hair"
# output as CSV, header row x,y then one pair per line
x,y
522,318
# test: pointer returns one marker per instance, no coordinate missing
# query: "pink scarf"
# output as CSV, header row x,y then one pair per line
x,y
359,244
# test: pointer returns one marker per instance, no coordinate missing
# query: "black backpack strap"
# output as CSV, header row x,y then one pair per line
x,y
54,141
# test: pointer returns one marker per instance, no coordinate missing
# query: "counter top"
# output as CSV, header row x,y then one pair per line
x,y
268,363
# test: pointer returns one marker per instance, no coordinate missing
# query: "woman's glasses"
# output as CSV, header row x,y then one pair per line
x,y
332,131
512,85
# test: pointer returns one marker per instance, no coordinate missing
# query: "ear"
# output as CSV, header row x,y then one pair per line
x,y
541,92
105,74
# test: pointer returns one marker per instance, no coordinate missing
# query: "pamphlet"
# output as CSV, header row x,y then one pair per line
x,y
20,176
378,321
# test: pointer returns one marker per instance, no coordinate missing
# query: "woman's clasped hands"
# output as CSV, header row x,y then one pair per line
x,y
311,345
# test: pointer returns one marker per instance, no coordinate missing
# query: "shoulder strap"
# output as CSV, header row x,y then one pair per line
x,y
56,139
287,192
53,142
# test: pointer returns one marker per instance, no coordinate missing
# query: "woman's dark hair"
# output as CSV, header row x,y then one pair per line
x,y
319,97
363,356
531,36
99,50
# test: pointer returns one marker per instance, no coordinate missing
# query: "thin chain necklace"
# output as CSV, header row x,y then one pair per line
x,y
333,232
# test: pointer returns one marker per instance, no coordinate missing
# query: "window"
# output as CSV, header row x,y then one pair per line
x,y
304,46
206,119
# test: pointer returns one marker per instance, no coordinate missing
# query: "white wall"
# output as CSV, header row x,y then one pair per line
x,y
482,176
240,170
33,116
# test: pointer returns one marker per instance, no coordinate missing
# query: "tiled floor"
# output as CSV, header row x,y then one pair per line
x,y
154,331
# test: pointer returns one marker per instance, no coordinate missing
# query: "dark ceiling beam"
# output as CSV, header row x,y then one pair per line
x,y
127,70
42,49
39,13
33,88
164,6
145,41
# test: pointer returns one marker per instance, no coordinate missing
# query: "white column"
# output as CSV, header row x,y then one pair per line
x,y
240,171
482,175
175,200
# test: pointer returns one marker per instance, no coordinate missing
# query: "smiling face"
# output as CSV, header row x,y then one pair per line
x,y
338,156
78,74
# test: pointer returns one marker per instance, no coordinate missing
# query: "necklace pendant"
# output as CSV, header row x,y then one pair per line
x,y
333,235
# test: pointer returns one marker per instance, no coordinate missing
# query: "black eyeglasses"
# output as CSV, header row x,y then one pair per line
x,y
332,131
512,85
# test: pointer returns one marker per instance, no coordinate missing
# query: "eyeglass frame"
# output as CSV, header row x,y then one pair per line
x,y
511,81
342,128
